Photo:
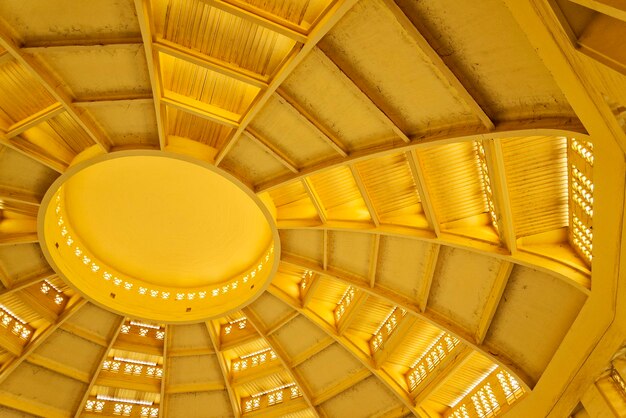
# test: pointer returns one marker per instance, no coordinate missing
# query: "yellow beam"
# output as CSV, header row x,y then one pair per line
x,y
71,43
259,372
596,405
283,358
39,303
310,352
234,403
96,102
272,23
203,110
55,366
143,9
394,340
444,72
499,187
341,386
429,273
350,314
315,199
366,198
271,149
374,252
53,87
493,300
312,286
360,90
85,334
194,387
330,138
419,176
205,61
30,406
166,370
34,120
336,12
613,8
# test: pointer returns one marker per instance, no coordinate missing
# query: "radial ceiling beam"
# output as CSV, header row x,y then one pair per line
x,y
271,149
315,199
52,86
614,8
360,91
467,336
497,174
336,12
444,72
304,116
39,337
167,342
205,61
419,177
312,285
493,300
341,386
374,254
71,43
349,315
429,274
17,239
143,9
40,304
18,196
96,372
43,115
387,381
275,24
282,357
202,110
363,191
224,368
33,152
126,100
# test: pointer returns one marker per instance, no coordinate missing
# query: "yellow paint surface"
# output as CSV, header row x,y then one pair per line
x,y
166,221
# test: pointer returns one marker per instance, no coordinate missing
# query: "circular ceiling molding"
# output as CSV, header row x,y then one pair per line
x,y
159,236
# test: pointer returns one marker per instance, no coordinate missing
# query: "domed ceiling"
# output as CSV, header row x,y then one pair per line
x,y
324,208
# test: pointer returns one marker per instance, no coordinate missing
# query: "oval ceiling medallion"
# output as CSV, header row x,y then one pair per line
x,y
159,236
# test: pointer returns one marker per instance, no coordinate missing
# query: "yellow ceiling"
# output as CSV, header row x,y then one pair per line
x,y
428,163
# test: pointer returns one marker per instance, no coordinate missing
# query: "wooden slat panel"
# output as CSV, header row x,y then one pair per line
x,y
536,173
226,37
340,195
454,181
